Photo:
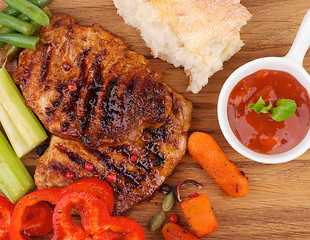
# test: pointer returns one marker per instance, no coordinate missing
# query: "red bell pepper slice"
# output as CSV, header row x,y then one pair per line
x,y
63,223
51,195
125,228
95,186
108,234
95,218
37,219
6,209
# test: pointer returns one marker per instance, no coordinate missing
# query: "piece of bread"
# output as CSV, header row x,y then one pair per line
x,y
196,34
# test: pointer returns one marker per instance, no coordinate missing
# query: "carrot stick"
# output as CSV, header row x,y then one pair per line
x,y
199,215
172,231
213,160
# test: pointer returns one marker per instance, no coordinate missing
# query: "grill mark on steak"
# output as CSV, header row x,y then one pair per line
x,y
64,126
56,23
82,66
49,112
129,90
132,178
92,93
69,32
158,134
75,158
145,164
153,149
59,167
109,104
123,150
56,103
47,53
27,70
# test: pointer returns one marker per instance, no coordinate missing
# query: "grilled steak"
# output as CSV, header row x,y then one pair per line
x,y
85,84
158,152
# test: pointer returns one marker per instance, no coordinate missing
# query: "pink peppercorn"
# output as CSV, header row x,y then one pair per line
x,y
66,66
69,175
72,87
111,178
89,166
134,158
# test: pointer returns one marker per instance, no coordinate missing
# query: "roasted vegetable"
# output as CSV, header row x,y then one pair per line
x,y
199,215
15,23
92,198
30,10
15,180
95,186
172,231
5,29
18,143
20,40
11,51
95,219
37,219
51,195
6,209
13,12
214,161
19,118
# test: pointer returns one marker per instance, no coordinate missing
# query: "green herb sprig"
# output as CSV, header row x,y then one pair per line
x,y
285,108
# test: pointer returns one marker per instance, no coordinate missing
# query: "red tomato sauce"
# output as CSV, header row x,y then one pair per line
x,y
258,131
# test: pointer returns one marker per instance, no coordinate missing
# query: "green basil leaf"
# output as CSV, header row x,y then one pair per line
x,y
284,110
259,106
266,109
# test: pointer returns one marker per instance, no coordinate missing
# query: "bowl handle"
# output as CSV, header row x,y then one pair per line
x,y
301,42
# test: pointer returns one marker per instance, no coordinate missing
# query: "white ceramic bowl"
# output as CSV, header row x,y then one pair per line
x,y
291,63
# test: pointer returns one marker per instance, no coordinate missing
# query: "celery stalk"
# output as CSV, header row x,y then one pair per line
x,y
23,118
15,180
18,143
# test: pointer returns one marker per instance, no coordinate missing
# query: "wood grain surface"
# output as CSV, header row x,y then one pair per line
x,y
278,204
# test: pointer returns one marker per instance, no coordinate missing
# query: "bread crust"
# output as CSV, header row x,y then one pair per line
x,y
196,34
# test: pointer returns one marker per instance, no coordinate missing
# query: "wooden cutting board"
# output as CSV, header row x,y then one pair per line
x,y
278,204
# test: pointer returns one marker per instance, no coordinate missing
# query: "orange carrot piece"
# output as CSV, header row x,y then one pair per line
x,y
172,231
214,161
199,215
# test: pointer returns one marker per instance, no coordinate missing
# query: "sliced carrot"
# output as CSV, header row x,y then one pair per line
x,y
199,215
214,161
172,231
